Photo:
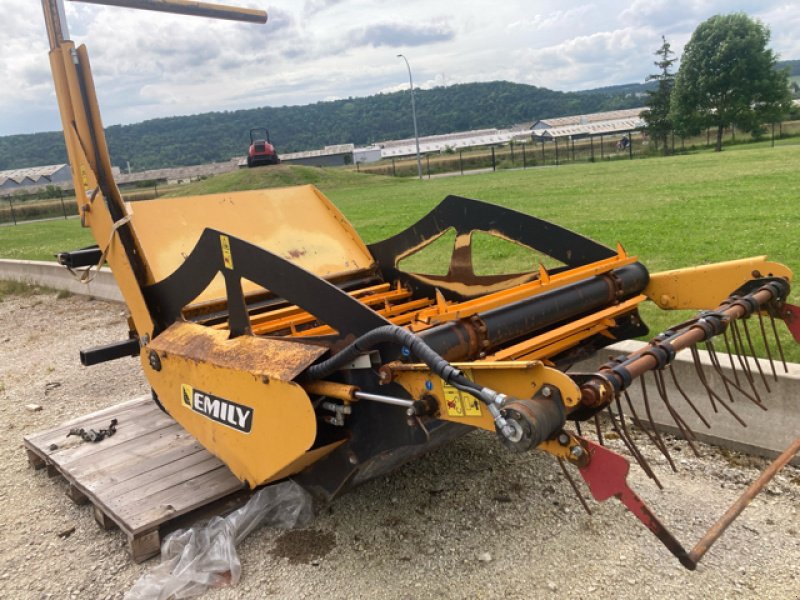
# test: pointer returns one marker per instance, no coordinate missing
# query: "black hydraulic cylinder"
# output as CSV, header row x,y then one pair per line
x,y
454,340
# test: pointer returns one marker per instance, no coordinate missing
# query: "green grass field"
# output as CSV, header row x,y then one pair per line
x,y
671,212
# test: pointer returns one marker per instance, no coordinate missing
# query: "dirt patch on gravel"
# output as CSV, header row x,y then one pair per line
x,y
303,546
454,524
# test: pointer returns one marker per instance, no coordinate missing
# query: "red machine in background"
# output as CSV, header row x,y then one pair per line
x,y
261,151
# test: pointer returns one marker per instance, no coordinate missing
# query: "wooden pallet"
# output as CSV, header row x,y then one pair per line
x,y
149,477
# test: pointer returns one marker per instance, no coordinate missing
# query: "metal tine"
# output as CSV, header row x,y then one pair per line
x,y
753,354
598,429
701,376
766,344
711,392
712,354
771,309
578,427
623,436
730,356
688,400
637,454
726,380
738,345
662,446
574,485
684,428
639,423
739,348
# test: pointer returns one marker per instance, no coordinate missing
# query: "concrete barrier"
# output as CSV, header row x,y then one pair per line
x,y
767,433
51,274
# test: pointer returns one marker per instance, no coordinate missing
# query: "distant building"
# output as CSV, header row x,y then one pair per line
x,y
16,179
450,141
329,156
612,122
367,155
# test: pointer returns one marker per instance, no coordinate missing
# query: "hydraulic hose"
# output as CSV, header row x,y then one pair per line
x,y
392,334
527,423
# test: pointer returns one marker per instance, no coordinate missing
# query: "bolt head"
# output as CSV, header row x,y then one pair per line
x,y
547,392
577,452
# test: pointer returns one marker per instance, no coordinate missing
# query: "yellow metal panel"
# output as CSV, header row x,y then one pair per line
x,y
517,379
298,224
231,395
704,287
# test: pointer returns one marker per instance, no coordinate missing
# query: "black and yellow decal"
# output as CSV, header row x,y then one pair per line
x,y
225,242
226,412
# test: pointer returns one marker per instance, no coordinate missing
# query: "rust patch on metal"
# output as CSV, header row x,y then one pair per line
x,y
264,358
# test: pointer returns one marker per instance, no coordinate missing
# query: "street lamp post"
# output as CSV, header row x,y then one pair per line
x,y
413,114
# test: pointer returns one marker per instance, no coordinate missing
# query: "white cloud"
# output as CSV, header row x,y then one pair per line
x,y
152,64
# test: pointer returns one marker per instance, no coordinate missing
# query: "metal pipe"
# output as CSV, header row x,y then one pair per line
x,y
413,113
459,340
189,7
384,399
716,530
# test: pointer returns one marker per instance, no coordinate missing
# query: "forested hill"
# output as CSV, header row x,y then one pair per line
x,y
218,136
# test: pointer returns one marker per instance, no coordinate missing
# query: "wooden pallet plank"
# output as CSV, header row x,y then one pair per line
x,y
144,545
179,499
61,442
126,433
129,459
99,415
149,473
168,475
136,466
35,460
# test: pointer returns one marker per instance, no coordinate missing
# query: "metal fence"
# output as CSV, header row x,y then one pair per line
x,y
24,206
590,148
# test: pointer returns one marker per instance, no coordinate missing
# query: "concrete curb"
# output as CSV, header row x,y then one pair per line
x,y
51,274
767,433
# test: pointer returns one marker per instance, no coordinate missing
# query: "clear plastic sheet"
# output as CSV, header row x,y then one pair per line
x,y
193,560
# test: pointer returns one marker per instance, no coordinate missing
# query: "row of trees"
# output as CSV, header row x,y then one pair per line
x,y
727,77
218,136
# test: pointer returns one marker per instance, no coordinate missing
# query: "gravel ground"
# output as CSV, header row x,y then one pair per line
x,y
469,521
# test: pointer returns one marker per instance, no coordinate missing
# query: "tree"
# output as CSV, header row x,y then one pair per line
x,y
728,77
657,116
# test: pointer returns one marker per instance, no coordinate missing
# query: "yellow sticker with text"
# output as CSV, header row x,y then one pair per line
x,y
225,242
461,404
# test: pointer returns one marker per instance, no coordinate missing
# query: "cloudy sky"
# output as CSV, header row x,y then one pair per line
x,y
151,65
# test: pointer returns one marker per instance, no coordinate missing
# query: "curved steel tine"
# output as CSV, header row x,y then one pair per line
x,y
598,429
753,354
661,445
683,427
573,484
712,354
740,354
688,400
766,344
771,310
730,355
635,448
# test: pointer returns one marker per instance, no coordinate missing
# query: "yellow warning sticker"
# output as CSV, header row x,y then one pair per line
x,y
186,394
461,404
472,406
455,404
225,242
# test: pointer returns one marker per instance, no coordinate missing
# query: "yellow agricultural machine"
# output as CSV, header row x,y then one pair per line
x,y
288,347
